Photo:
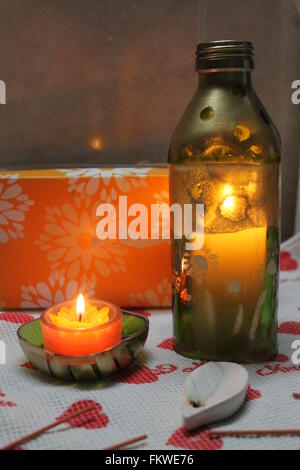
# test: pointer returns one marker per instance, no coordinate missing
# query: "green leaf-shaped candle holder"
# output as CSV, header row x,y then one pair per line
x,y
86,368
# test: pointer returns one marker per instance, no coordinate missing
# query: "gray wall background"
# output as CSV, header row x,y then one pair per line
x,y
122,71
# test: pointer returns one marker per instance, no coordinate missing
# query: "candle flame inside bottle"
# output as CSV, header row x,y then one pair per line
x,y
227,190
228,204
80,308
234,208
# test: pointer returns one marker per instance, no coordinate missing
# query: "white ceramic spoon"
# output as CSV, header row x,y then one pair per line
x,y
213,392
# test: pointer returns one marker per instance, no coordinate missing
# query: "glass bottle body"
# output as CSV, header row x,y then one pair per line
x,y
225,155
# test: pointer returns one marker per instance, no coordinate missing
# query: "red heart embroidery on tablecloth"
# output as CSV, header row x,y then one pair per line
x,y
16,317
28,365
287,263
137,375
252,394
280,358
194,366
93,419
143,374
196,440
6,403
166,344
289,328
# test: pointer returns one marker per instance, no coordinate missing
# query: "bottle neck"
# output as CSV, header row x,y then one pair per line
x,y
224,78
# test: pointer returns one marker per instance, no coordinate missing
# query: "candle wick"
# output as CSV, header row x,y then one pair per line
x,y
80,317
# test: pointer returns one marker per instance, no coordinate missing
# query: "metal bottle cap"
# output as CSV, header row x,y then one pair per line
x,y
226,54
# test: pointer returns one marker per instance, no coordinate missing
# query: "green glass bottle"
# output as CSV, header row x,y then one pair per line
x,y
225,154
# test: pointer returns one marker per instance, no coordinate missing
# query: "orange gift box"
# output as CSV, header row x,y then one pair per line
x,y
49,249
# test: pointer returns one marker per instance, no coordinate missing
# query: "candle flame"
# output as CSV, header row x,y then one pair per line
x,y
96,143
80,307
227,190
228,204
234,208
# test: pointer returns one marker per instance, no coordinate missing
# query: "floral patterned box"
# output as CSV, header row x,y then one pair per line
x,y
49,250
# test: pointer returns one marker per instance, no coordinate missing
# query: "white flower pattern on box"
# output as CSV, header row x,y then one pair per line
x,y
86,181
56,290
70,243
160,297
162,198
13,207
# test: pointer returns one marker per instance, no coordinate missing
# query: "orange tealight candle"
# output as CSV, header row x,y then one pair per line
x,y
82,329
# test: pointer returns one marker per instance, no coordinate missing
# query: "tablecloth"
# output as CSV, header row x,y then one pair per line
x,y
148,398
